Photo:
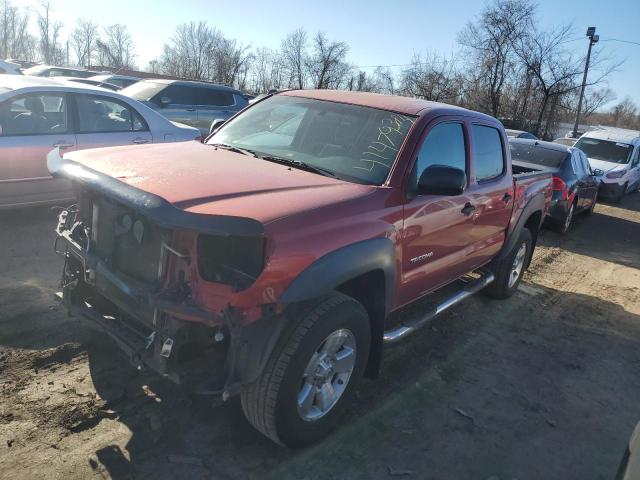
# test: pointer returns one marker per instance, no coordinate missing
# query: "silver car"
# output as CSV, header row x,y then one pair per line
x,y
193,103
38,115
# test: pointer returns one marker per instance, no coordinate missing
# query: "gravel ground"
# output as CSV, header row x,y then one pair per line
x,y
543,385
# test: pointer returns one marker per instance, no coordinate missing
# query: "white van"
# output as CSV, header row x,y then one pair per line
x,y
614,156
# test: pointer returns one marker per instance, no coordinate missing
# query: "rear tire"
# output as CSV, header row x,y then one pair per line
x,y
563,226
510,269
304,388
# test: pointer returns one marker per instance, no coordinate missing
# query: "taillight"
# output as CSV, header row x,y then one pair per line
x,y
559,185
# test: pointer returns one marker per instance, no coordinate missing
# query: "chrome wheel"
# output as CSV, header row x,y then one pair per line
x,y
518,264
567,221
327,375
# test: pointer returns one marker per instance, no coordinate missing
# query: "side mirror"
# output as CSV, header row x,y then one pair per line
x,y
596,172
442,180
164,101
216,124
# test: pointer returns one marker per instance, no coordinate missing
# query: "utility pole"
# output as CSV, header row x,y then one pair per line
x,y
593,39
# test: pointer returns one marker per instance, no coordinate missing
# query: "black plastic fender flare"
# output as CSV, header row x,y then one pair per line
x,y
535,204
342,265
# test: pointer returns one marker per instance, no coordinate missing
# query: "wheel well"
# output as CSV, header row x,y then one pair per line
x,y
369,290
533,225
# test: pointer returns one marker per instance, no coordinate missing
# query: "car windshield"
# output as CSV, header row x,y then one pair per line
x,y
143,90
531,153
606,150
353,143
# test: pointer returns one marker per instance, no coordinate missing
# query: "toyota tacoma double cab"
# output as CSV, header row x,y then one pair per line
x,y
266,261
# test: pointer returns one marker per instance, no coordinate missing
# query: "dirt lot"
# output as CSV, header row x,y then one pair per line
x,y
544,385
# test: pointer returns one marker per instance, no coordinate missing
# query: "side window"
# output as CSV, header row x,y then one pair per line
x,y
179,95
489,159
36,114
636,157
444,145
97,114
213,97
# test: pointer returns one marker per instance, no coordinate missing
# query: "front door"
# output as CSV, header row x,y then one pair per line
x,y
104,121
30,127
437,229
213,104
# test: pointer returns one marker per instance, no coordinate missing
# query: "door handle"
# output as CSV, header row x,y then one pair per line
x,y
140,140
507,197
191,109
61,144
468,209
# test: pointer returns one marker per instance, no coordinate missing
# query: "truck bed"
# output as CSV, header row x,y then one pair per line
x,y
522,170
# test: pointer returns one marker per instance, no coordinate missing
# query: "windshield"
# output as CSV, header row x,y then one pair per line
x,y
532,153
143,90
353,143
605,150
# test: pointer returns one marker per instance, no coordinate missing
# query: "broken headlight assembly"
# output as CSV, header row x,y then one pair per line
x,y
235,261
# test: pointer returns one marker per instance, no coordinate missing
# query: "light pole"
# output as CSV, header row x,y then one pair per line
x,y
593,39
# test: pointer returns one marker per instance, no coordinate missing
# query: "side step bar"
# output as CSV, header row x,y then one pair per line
x,y
470,288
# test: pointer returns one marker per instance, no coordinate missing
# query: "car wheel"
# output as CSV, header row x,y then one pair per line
x,y
311,374
509,270
593,205
619,197
563,226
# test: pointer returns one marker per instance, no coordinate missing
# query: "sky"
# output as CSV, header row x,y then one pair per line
x,y
377,32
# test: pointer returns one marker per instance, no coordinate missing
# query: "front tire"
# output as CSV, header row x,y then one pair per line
x,y
621,195
311,374
509,270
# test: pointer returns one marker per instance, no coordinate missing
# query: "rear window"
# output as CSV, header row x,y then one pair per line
x,y
538,155
213,97
606,150
489,160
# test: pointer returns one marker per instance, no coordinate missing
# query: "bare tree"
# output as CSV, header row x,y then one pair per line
x,y
49,30
326,64
84,41
624,114
116,49
489,41
15,39
556,71
190,50
294,56
432,77
267,70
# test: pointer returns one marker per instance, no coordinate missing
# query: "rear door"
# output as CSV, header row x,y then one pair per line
x,y
491,192
436,232
634,181
212,104
103,121
31,126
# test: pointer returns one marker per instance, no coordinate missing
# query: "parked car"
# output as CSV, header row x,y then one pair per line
x,y
569,142
38,115
93,83
616,153
520,134
9,68
121,81
283,252
50,71
575,186
193,103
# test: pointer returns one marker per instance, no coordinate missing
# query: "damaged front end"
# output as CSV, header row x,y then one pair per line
x,y
158,280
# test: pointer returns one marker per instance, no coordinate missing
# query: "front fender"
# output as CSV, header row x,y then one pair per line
x,y
342,265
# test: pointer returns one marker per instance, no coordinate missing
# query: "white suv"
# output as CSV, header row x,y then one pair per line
x,y
614,155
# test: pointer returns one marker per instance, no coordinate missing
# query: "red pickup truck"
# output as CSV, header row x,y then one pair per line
x,y
266,261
